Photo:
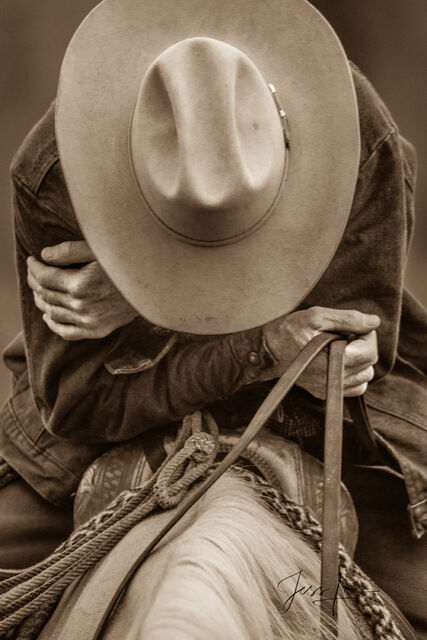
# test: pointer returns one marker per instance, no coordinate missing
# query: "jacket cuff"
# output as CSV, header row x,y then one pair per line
x,y
251,351
140,347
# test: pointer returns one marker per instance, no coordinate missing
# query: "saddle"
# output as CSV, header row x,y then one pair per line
x,y
296,474
281,463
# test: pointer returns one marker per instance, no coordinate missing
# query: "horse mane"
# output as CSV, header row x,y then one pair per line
x,y
222,574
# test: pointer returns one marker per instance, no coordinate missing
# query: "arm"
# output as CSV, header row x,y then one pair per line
x,y
74,297
367,271
76,395
79,398
78,302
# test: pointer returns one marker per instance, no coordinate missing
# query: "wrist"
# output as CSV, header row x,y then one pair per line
x,y
281,342
253,354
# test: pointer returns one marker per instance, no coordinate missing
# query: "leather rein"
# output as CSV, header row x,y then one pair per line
x,y
331,473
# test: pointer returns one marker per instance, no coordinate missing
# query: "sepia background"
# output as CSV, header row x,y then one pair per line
x,y
385,38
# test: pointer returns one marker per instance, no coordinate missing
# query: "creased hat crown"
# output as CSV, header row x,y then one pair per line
x,y
206,142
204,216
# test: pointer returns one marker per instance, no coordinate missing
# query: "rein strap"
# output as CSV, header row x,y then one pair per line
x,y
332,469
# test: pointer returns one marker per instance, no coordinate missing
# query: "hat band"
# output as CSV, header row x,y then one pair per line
x,y
246,232
222,241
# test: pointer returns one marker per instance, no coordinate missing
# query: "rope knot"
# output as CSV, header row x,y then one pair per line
x,y
195,452
199,446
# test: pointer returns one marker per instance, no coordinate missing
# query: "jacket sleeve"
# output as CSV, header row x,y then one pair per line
x,y
367,272
82,390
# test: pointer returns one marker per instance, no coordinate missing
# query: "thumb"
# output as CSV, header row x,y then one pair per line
x,y
349,321
68,253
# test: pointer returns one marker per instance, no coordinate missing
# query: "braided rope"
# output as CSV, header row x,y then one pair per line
x,y
257,460
368,599
26,599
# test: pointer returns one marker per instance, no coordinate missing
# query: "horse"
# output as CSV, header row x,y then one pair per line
x,y
230,572
243,563
233,568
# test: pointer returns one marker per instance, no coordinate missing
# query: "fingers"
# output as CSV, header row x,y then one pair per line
x,y
353,392
72,332
359,358
355,384
60,313
362,352
68,332
66,253
41,275
343,320
78,304
56,298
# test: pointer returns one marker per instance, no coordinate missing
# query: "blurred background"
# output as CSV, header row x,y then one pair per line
x,y
385,38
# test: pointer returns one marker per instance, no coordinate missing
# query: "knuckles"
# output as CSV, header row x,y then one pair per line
x,y
356,391
78,305
315,316
90,322
77,288
370,372
362,377
86,285
65,251
373,355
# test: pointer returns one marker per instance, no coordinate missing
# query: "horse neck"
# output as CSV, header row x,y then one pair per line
x,y
221,577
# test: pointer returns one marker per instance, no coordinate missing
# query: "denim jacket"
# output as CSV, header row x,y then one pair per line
x,y
71,400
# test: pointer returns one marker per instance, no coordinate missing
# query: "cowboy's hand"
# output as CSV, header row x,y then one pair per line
x,y
77,302
288,334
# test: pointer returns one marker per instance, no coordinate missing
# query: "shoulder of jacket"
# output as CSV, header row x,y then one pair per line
x,y
37,153
376,121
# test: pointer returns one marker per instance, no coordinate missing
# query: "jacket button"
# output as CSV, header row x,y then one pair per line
x,y
253,358
252,374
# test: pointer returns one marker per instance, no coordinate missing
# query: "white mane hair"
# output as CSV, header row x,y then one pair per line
x,y
220,577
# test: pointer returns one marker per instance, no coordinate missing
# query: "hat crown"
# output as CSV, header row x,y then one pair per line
x,y
206,142
168,156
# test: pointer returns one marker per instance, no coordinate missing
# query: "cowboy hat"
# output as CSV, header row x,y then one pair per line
x,y
211,151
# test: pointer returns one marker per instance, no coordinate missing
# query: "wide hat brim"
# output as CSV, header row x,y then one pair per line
x,y
171,283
